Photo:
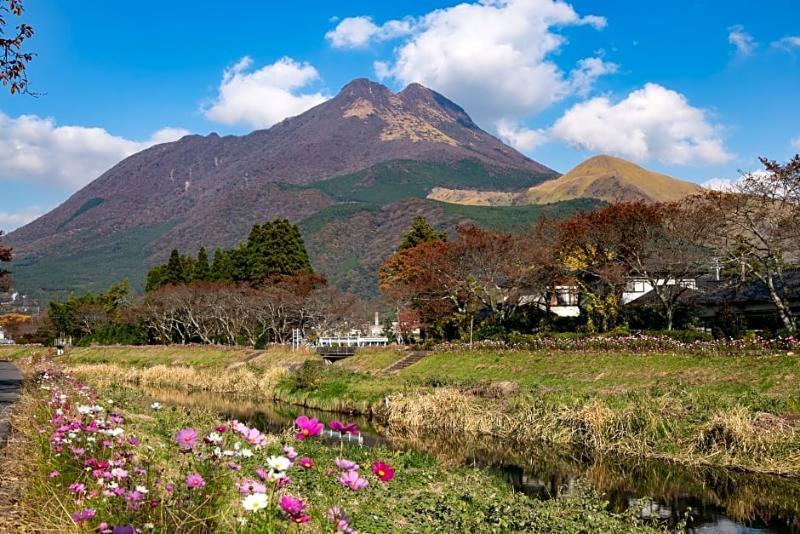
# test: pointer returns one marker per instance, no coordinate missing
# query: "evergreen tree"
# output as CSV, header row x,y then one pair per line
x,y
420,232
174,272
222,266
202,271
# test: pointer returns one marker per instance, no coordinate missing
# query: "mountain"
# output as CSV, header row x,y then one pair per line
x,y
601,177
365,158
612,180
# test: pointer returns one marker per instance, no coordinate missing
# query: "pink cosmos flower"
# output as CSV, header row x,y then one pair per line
x,y
262,473
221,428
290,453
346,465
292,505
353,481
54,474
347,428
186,438
77,488
195,481
301,518
306,462
308,427
250,486
383,471
86,514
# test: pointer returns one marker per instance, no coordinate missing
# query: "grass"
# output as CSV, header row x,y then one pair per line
x,y
516,218
740,411
424,496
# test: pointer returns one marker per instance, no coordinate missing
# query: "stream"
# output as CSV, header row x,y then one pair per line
x,y
710,499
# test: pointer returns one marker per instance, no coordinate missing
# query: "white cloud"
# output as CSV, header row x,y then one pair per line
x,y
357,32
521,138
743,41
492,57
588,71
789,43
35,149
720,184
796,143
10,221
262,97
650,123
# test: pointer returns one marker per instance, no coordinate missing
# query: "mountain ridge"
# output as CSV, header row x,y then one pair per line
x,y
602,177
209,190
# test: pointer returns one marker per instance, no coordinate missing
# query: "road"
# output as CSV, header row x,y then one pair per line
x,y
10,384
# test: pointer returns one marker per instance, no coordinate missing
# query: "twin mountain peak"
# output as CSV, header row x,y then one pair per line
x,y
351,171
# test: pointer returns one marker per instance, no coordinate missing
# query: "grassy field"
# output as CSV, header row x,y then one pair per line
x,y
741,411
423,496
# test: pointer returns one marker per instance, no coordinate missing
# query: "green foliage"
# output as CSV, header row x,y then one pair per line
x,y
202,270
94,315
420,232
396,180
86,206
508,218
274,248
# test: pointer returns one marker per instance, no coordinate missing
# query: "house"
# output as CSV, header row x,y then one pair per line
x,y
562,302
636,288
4,338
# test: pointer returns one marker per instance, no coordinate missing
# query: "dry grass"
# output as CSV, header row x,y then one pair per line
x,y
240,382
757,442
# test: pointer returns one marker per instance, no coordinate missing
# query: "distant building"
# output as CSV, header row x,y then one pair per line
x,y
4,338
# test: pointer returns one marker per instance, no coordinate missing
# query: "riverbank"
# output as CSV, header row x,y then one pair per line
x,y
141,476
709,409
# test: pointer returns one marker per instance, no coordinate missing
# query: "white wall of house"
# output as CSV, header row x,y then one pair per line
x,y
636,288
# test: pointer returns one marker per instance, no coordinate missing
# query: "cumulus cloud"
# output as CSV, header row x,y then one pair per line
x,y
588,71
789,43
720,184
493,57
357,32
35,149
743,42
262,97
650,123
521,138
11,220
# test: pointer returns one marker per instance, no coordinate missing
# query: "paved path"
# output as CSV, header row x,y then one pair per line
x,y
10,384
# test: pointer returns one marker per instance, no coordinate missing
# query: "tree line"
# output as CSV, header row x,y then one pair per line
x,y
486,276
253,294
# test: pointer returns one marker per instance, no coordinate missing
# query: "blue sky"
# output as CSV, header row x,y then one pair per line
x,y
696,89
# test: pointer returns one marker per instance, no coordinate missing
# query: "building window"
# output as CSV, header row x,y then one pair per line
x,y
634,286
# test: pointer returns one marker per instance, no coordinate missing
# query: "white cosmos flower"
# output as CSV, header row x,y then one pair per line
x,y
156,406
141,489
84,409
255,502
279,463
214,437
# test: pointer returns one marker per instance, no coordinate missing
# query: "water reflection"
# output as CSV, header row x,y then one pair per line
x,y
709,499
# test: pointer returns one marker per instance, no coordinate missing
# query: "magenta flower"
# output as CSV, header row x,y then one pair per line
x,y
77,488
353,481
347,428
292,505
308,427
186,438
250,486
86,514
383,471
221,428
306,462
195,481
346,465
